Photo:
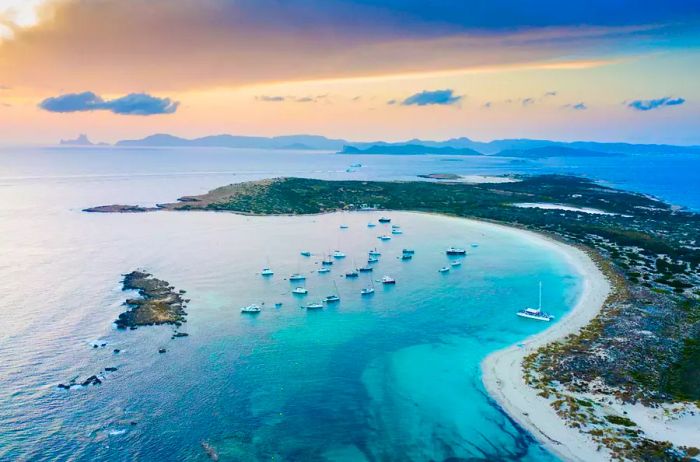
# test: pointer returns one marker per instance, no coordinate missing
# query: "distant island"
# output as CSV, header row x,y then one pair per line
x,y
410,149
81,140
517,148
605,383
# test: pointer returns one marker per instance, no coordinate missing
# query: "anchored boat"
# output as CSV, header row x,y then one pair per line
x,y
455,251
251,309
536,313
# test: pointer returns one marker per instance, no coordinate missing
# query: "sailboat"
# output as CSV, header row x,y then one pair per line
x,y
368,290
333,297
313,306
297,276
371,225
536,313
305,253
338,254
267,271
388,280
444,269
300,291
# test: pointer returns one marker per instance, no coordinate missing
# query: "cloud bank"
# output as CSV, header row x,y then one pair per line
x,y
132,104
651,104
435,97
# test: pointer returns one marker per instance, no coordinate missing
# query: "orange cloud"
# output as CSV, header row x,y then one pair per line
x,y
163,45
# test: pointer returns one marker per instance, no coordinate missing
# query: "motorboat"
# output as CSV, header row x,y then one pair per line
x,y
266,272
352,274
372,260
297,277
406,256
324,270
384,237
371,225
374,253
388,280
396,231
300,291
338,254
343,226
408,251
305,253
444,269
313,306
365,269
251,309
367,291
456,263
384,220
455,251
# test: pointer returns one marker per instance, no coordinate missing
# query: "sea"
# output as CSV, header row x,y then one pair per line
x,y
389,377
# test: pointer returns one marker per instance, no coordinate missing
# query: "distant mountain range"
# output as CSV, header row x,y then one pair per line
x,y
311,142
410,149
520,148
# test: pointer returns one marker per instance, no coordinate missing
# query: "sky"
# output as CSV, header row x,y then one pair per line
x,y
605,70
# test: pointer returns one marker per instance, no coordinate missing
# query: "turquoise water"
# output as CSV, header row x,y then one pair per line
x,y
391,377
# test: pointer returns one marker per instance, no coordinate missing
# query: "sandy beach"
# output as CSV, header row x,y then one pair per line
x,y
503,375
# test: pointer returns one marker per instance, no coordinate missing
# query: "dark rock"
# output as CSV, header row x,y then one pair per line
x,y
64,386
116,351
110,369
162,350
92,380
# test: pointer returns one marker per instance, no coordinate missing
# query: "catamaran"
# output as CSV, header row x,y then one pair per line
x,y
251,309
300,291
455,251
536,313
388,280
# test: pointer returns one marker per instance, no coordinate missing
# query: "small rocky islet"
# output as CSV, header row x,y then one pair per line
x,y
158,303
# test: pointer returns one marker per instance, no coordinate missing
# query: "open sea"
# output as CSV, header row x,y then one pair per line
x,y
390,377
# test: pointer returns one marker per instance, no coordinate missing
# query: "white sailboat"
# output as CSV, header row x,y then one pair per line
x,y
536,313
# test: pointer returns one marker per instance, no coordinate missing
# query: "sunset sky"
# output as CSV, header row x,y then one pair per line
x,y
617,70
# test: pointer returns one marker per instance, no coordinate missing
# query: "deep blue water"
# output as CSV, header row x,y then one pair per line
x,y
393,377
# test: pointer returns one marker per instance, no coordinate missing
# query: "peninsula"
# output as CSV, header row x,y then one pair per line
x,y
619,375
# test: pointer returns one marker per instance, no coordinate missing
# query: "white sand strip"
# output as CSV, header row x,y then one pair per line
x,y
503,375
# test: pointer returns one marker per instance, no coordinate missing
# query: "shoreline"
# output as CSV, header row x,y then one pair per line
x,y
502,373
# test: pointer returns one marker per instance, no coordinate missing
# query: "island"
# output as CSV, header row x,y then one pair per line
x,y
617,378
158,303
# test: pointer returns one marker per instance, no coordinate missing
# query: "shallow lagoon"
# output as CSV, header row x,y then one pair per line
x,y
394,376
